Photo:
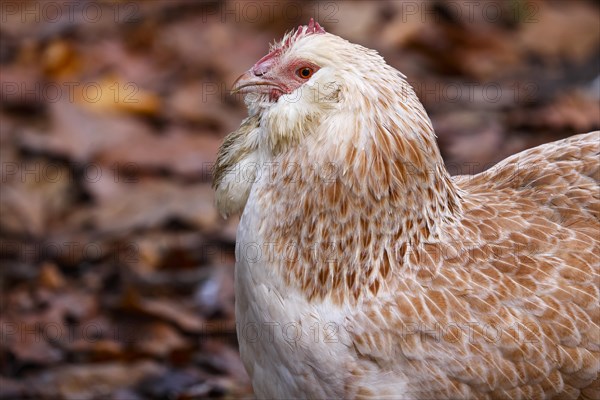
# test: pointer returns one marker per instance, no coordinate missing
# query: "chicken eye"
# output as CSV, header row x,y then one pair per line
x,y
304,72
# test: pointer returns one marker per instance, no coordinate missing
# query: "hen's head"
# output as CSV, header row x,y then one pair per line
x,y
285,69
310,74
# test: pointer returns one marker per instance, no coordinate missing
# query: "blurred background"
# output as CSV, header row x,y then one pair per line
x,y
116,270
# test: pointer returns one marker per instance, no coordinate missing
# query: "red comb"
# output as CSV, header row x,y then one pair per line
x,y
310,29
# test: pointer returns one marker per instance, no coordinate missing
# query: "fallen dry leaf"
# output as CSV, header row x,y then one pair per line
x,y
177,150
36,194
559,31
160,340
51,277
113,94
573,111
149,203
92,381
79,135
166,309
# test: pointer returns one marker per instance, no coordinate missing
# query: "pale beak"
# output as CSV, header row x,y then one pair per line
x,y
249,80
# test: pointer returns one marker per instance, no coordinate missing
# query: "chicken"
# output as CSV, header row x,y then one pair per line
x,y
364,270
